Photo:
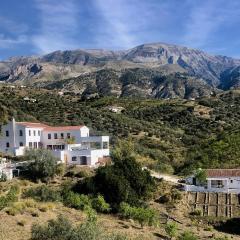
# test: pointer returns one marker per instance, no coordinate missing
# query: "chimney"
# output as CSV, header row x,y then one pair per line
x,y
14,131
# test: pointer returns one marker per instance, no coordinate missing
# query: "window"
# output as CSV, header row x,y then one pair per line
x,y
39,133
7,133
217,184
49,136
21,144
83,160
231,181
62,135
30,144
55,135
35,144
74,159
7,145
29,132
105,145
20,133
68,135
34,133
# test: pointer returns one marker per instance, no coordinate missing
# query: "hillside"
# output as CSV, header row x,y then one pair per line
x,y
169,135
151,64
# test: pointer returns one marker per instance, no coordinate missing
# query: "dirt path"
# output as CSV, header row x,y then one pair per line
x,y
166,177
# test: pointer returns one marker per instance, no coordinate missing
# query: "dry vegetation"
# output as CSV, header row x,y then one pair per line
x,y
17,225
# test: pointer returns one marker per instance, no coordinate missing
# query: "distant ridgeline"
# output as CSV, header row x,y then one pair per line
x,y
169,135
156,70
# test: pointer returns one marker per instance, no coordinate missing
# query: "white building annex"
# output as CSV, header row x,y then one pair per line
x,y
218,180
70,144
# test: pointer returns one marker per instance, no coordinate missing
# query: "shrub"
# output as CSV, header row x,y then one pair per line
x,y
12,211
3,177
60,170
11,196
196,212
187,236
43,193
145,216
76,200
63,229
171,230
100,205
43,164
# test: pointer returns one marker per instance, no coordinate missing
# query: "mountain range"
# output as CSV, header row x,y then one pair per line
x,y
157,70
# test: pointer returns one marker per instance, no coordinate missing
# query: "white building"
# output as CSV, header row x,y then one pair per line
x,y
71,144
6,169
218,180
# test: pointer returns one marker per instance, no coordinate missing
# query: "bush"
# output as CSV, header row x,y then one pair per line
x,y
63,229
11,196
3,177
196,212
145,216
60,170
171,230
187,236
76,200
43,193
100,205
43,164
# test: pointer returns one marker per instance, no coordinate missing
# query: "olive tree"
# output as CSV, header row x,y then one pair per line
x,y
42,164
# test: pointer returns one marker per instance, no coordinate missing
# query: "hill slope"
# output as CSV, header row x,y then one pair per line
x,y
168,134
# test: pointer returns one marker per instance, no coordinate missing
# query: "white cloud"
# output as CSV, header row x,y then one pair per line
x,y
206,18
58,25
127,21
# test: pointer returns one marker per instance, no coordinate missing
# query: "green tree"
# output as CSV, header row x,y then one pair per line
x,y
43,165
201,176
123,181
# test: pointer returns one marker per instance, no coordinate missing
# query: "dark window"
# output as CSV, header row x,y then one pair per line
x,y
39,133
35,144
21,144
83,160
62,135
30,144
29,133
7,133
55,135
231,181
68,135
49,136
20,133
74,159
34,133
7,145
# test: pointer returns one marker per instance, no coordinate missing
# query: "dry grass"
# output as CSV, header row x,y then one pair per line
x,y
17,219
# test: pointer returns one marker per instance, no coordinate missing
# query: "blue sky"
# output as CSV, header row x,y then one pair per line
x,y
34,27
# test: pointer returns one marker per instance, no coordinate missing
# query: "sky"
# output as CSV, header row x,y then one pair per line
x,y
37,27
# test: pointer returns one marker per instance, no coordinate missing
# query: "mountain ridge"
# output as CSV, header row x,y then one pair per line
x,y
215,71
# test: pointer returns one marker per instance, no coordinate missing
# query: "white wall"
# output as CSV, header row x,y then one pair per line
x,y
32,138
77,134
